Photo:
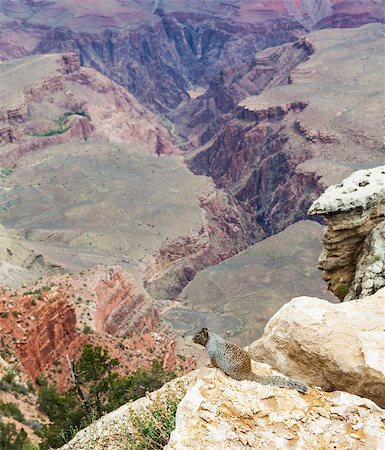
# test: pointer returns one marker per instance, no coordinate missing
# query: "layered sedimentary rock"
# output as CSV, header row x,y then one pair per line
x,y
116,204
335,346
43,323
226,229
19,264
49,99
218,412
283,146
200,119
91,136
51,335
353,257
160,50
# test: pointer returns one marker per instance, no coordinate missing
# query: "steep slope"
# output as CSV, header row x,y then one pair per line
x,y
201,118
283,146
43,323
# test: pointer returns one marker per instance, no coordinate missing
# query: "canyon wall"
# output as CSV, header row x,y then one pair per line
x,y
50,99
44,323
279,149
161,51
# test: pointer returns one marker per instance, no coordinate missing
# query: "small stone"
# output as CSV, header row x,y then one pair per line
x,y
368,284
379,282
377,267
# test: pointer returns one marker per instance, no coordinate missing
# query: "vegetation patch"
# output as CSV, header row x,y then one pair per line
x,y
5,172
10,439
61,124
97,389
152,426
11,410
8,383
341,291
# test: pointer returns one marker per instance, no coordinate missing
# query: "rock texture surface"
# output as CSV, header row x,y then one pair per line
x,y
220,413
18,262
370,269
38,92
353,257
335,346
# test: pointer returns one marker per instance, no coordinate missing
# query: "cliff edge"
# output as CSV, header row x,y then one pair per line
x,y
353,258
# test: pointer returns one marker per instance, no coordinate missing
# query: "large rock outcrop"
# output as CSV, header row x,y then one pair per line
x,y
353,259
335,346
220,413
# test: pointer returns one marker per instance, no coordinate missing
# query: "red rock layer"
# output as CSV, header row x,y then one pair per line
x,y
40,326
53,335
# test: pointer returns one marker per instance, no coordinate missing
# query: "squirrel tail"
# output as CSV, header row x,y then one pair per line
x,y
276,380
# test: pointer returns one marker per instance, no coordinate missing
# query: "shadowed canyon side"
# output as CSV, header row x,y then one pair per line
x,y
201,118
279,149
162,50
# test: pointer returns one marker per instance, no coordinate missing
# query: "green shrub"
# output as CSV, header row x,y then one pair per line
x,y
60,122
99,390
152,426
341,291
9,377
10,439
51,132
87,329
11,410
5,171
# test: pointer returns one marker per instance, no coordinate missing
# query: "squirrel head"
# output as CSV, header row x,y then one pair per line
x,y
201,337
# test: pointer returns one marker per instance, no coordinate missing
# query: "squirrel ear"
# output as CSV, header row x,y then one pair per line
x,y
205,332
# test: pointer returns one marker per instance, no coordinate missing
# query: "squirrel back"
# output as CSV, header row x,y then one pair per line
x,y
236,362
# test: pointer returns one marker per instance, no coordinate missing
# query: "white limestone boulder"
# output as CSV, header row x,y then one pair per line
x,y
334,346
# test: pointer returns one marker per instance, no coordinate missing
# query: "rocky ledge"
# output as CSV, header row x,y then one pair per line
x,y
218,412
353,258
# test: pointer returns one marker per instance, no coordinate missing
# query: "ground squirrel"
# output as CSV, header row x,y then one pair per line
x,y
236,362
